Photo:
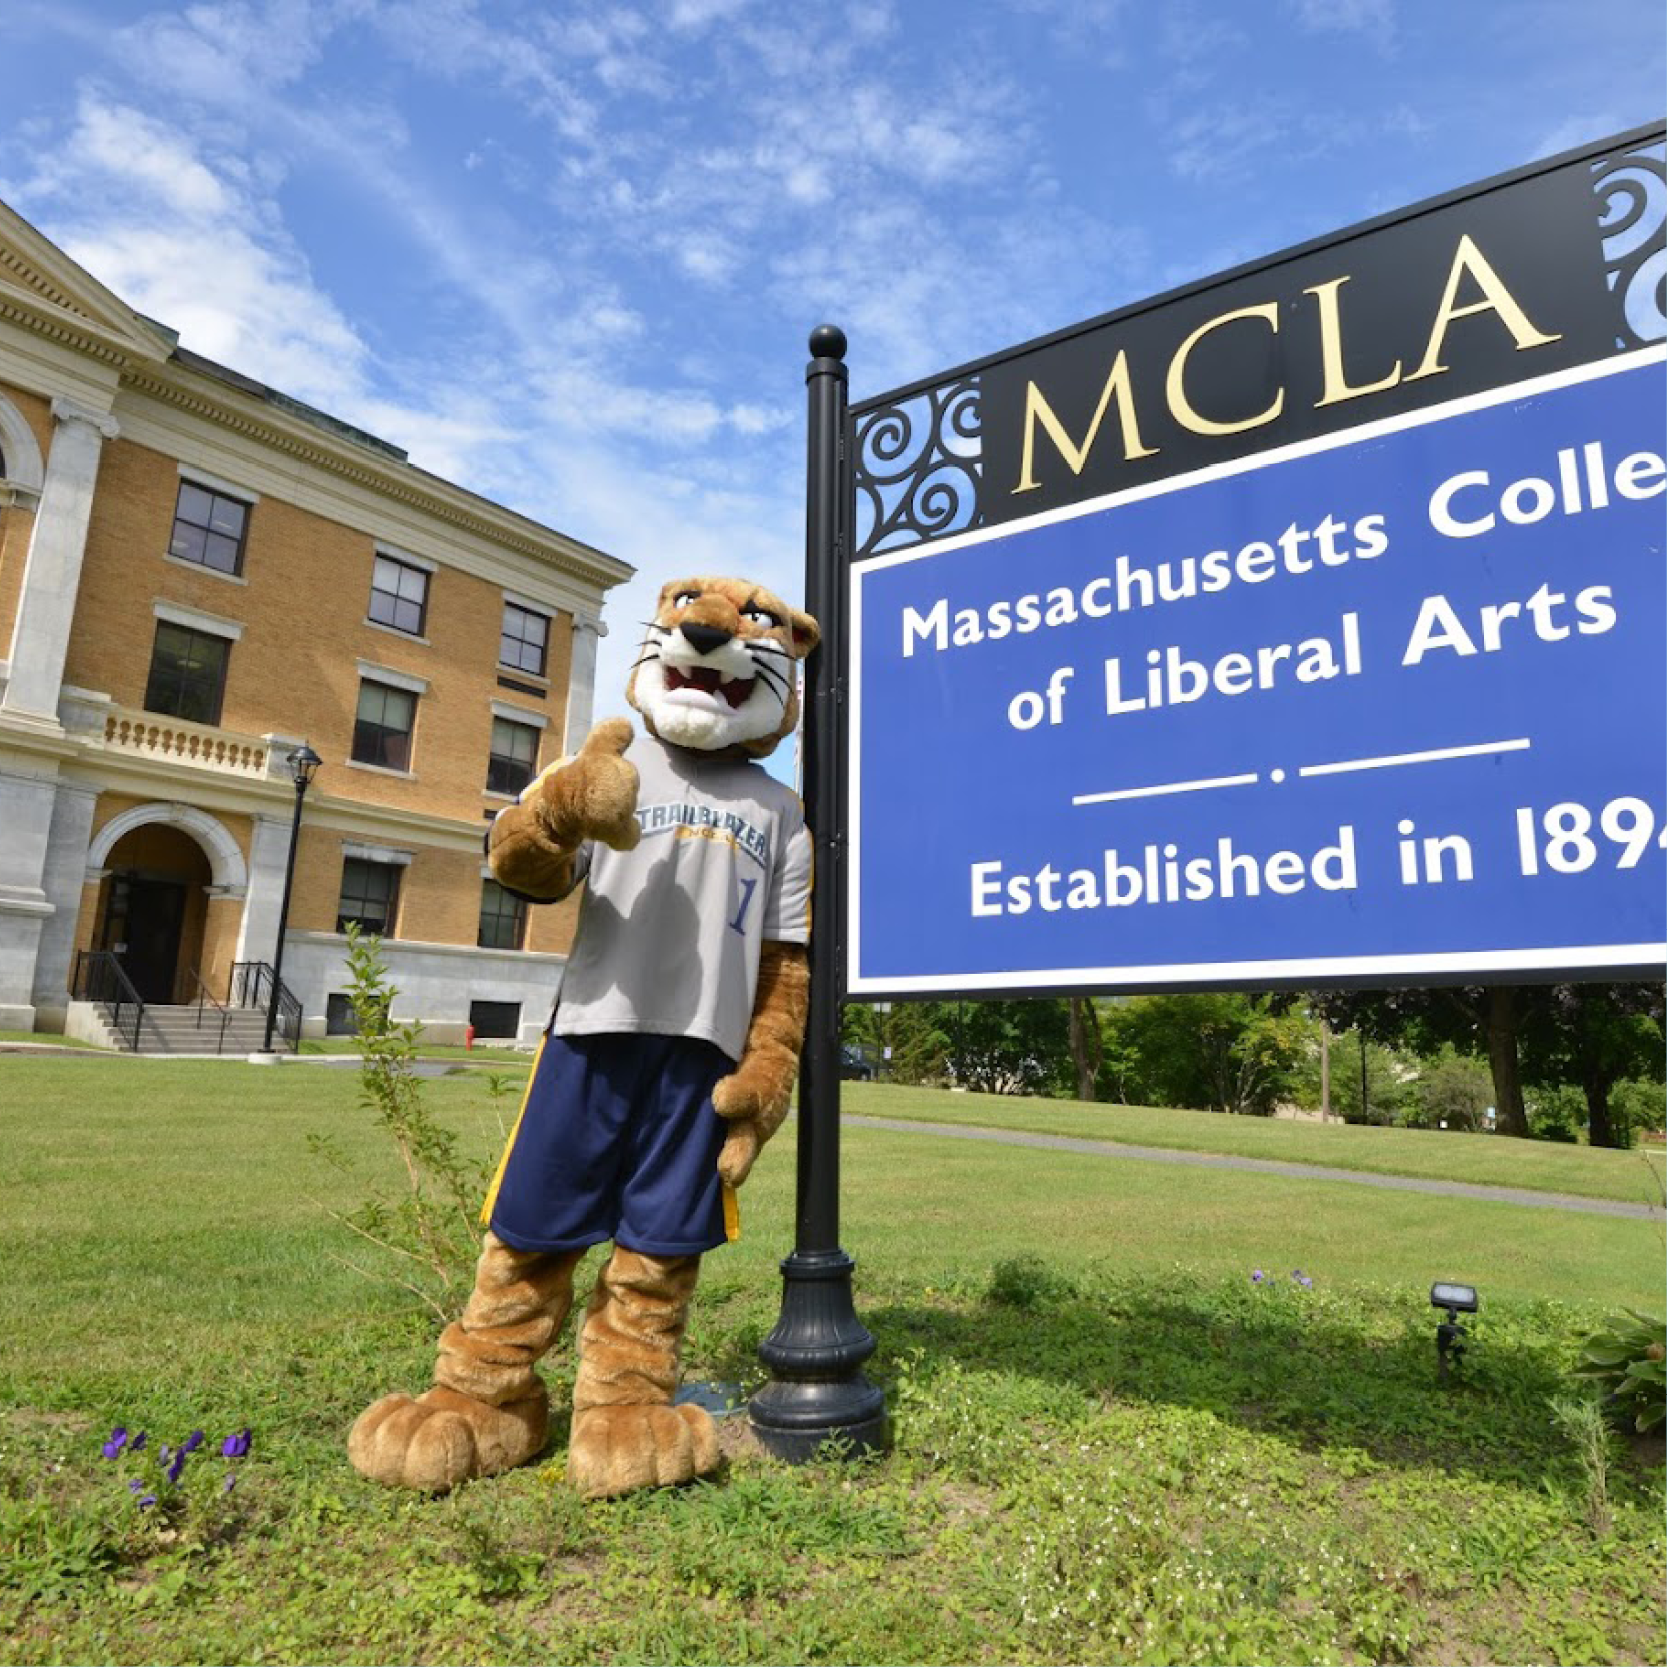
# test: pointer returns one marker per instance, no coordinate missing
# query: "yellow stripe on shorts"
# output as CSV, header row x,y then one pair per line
x,y
503,1162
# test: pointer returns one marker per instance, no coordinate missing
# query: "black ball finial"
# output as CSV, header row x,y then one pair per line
x,y
827,341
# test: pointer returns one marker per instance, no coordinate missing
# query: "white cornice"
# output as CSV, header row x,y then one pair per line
x,y
36,274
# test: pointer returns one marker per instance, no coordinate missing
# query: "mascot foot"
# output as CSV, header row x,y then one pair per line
x,y
617,1449
443,1438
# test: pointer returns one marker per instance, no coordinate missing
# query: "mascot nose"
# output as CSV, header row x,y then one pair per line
x,y
705,638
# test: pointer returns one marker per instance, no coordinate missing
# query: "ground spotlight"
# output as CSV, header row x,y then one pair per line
x,y
1450,1335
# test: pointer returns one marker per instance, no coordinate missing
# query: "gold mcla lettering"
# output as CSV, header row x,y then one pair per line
x,y
1495,299
1337,384
1175,387
1037,410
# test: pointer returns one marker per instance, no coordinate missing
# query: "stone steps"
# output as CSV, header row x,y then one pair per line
x,y
176,1030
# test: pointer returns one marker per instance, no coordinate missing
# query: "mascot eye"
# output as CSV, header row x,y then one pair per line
x,y
684,597
762,615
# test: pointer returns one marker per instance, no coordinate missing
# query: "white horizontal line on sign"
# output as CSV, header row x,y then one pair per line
x,y
1162,788
1480,749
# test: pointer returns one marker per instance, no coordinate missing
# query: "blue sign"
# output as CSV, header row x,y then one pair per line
x,y
1385,705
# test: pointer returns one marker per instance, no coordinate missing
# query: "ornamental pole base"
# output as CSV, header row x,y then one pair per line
x,y
817,1394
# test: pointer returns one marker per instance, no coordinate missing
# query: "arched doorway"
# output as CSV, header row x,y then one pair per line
x,y
154,907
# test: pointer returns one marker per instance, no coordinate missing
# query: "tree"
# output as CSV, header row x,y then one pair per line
x,y
1223,1051
1087,1050
1471,1019
1593,1036
1008,1047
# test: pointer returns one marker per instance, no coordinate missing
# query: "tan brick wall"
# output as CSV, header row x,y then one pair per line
x,y
36,411
219,944
17,525
303,611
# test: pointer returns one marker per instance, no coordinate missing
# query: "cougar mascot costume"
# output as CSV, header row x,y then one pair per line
x,y
668,1062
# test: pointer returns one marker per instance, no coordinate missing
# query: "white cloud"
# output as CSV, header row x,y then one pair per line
x,y
1375,19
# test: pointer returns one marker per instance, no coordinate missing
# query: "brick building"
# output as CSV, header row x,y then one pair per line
x,y
196,575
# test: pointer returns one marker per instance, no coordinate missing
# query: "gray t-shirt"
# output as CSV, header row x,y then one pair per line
x,y
669,934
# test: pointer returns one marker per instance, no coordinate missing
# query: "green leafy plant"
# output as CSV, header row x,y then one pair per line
x,y
1628,1360
427,1229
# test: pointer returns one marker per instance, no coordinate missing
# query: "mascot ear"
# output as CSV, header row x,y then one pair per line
x,y
806,633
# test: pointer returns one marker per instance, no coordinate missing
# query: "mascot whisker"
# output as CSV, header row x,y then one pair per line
x,y
668,1063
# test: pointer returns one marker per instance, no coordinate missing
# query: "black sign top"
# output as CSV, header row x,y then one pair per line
x,y
1540,269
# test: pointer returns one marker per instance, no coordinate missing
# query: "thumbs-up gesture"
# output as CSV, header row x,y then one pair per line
x,y
594,794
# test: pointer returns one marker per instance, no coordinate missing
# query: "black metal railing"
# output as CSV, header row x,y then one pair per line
x,y
207,999
252,985
100,977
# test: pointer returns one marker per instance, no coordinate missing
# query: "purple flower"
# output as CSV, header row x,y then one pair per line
x,y
1257,1276
162,1457
177,1466
137,1444
192,1442
117,1441
1302,1279
146,1503
235,1446
135,1485
231,1481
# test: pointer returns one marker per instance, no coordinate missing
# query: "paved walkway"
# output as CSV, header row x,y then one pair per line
x,y
1262,1166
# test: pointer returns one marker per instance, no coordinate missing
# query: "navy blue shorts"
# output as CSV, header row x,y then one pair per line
x,y
617,1139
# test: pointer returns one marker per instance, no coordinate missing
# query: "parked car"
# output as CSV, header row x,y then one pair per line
x,y
854,1064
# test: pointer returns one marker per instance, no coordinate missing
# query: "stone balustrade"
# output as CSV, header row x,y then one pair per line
x,y
177,741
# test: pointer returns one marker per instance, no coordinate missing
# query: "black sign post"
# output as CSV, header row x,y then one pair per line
x,y
817,1392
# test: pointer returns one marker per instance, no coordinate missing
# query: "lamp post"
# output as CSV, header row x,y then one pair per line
x,y
303,762
817,1392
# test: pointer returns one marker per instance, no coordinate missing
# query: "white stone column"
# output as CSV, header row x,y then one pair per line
x,y
52,572
581,681
65,873
28,789
268,857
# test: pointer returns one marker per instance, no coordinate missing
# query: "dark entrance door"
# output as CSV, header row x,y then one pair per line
x,y
143,926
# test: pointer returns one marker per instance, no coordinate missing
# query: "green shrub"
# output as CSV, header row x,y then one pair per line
x,y
1556,1114
1628,1360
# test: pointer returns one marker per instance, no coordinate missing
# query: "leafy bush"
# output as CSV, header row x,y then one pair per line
x,y
1218,1051
1556,1113
1453,1089
1628,1360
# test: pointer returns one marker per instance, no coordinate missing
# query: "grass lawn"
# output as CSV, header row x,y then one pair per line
x,y
1486,1160
44,1037
480,1053
1110,1444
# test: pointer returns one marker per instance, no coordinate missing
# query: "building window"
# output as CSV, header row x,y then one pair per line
x,y
503,918
339,1017
370,896
209,528
514,757
399,595
187,673
382,728
526,639
495,1019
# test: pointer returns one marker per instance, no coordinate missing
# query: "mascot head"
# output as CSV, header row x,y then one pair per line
x,y
718,669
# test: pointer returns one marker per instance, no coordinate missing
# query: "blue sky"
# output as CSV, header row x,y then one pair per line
x,y
569,255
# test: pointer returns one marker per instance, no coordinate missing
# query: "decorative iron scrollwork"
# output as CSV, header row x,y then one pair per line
x,y
919,467
1633,187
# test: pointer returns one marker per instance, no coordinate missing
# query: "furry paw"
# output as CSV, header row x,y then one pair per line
x,y
593,796
443,1438
617,1449
742,1143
